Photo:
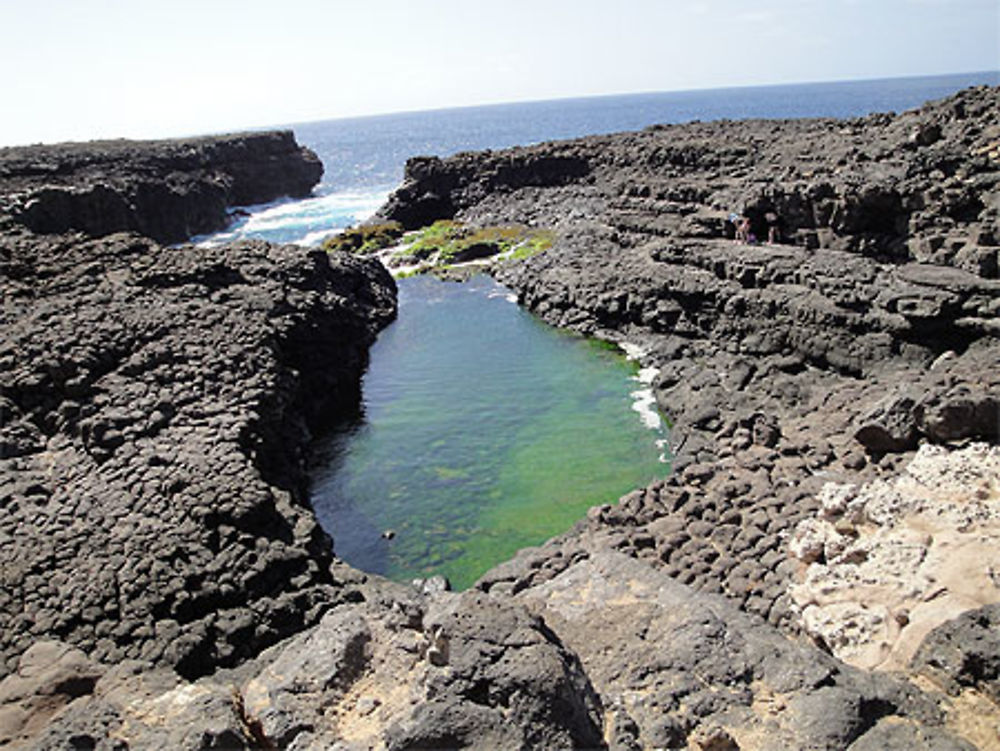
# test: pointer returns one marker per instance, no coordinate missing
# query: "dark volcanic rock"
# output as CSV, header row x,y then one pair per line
x,y
166,190
872,326
964,652
437,189
395,672
871,189
866,330
157,404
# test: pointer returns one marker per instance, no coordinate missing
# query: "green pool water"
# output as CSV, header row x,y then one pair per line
x,y
483,430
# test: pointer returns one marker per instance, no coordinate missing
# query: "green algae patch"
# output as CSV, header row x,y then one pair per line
x,y
538,241
451,243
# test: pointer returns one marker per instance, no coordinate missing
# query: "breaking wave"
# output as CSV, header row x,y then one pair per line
x,y
304,222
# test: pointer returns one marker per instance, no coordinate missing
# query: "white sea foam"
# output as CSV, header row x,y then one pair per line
x,y
647,375
315,238
506,294
632,351
306,222
644,402
213,241
662,445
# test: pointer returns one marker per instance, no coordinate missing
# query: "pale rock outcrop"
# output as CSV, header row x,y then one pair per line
x,y
893,559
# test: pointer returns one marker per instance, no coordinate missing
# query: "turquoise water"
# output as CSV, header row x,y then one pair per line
x,y
483,431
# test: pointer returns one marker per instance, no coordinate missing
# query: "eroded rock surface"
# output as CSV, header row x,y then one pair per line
x,y
397,672
166,190
157,403
891,561
676,669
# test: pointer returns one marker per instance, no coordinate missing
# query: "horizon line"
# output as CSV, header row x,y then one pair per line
x,y
644,92
288,125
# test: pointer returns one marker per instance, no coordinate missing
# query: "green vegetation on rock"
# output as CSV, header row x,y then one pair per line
x,y
452,242
442,245
538,241
366,238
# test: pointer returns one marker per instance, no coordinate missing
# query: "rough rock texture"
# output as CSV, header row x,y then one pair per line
x,y
157,403
870,329
873,188
965,652
609,654
890,561
397,672
166,190
676,668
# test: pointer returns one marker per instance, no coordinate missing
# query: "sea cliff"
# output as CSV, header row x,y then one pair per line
x,y
832,395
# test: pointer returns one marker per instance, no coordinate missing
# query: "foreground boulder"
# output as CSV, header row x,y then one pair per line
x,y
610,653
396,672
680,670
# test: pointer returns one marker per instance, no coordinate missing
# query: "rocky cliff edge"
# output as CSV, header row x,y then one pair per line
x,y
166,190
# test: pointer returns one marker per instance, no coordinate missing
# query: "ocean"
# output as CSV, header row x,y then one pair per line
x,y
364,157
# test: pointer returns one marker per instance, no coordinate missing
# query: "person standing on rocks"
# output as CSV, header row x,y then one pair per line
x,y
743,230
735,220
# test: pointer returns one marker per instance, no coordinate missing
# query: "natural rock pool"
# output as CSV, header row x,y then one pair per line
x,y
483,430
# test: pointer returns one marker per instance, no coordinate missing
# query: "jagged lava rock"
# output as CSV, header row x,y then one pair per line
x,y
398,671
158,404
166,190
869,330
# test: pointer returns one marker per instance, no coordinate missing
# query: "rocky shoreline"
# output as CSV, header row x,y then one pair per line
x,y
166,584
158,404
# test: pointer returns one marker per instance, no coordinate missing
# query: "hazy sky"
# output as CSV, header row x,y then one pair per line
x,y
81,69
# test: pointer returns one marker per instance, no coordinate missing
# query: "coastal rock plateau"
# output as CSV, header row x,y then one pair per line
x,y
166,584
156,406
166,190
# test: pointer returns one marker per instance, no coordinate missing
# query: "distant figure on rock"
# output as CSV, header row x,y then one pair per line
x,y
743,233
773,228
734,219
